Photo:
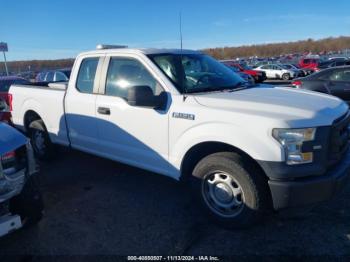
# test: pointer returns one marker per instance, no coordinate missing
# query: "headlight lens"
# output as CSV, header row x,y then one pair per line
x,y
292,141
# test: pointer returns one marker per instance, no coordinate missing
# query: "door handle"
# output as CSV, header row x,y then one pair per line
x,y
104,111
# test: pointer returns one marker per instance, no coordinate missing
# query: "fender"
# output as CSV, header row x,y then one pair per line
x,y
257,147
31,104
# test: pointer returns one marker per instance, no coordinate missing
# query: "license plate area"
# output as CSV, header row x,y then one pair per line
x,y
9,223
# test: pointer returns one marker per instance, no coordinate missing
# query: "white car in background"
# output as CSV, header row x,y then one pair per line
x,y
275,71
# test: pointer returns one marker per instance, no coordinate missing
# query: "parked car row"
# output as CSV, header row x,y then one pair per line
x,y
52,76
258,76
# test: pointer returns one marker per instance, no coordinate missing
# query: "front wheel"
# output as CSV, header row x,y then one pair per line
x,y
286,77
229,190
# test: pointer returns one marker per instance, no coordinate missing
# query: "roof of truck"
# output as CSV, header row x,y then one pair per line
x,y
146,51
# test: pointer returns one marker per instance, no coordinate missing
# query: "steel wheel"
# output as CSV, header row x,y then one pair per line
x,y
38,138
223,194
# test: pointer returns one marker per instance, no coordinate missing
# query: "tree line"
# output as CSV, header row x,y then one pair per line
x,y
276,49
36,65
261,50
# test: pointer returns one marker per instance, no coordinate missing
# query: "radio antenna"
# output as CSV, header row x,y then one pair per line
x,y
181,31
181,49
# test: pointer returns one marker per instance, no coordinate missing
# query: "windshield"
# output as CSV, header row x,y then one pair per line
x,y
246,67
193,73
234,69
67,73
287,66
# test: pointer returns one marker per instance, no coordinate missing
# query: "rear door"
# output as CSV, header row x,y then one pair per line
x,y
80,104
277,71
268,71
339,84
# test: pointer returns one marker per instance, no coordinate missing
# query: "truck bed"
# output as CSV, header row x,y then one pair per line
x,y
47,102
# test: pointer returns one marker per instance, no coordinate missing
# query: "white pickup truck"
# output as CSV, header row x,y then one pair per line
x,y
242,149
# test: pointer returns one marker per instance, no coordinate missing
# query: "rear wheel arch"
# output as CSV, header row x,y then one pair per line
x,y
29,117
39,136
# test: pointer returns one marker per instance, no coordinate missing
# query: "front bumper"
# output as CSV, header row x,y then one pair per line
x,y
260,78
12,185
6,117
310,190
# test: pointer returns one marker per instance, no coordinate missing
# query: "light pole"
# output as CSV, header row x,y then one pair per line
x,y
4,48
7,71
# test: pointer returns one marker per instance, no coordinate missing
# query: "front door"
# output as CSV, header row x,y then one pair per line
x,y
130,134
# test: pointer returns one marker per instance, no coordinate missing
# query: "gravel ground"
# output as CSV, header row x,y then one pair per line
x,y
98,207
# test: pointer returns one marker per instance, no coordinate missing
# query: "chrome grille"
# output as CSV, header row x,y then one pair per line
x,y
339,139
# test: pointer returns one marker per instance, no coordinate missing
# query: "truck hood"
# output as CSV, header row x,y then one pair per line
x,y
292,107
10,139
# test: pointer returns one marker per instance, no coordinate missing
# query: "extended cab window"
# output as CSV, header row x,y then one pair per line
x,y
126,72
86,76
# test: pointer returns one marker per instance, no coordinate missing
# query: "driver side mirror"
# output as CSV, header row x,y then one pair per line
x,y
143,96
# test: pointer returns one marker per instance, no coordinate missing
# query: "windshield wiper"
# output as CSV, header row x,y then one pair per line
x,y
236,87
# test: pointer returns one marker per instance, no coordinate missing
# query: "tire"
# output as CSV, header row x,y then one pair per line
x,y
285,76
42,145
29,204
226,179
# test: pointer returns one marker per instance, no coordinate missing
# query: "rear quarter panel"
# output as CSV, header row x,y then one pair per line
x,y
47,103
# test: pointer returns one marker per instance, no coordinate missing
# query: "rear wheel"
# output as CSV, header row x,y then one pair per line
x,y
233,193
43,148
286,76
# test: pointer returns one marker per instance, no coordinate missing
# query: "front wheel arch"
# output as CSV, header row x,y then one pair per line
x,y
201,150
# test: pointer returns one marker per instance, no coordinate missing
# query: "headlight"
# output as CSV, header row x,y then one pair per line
x,y
32,167
292,141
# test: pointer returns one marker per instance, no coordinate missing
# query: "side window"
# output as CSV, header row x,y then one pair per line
x,y
126,72
339,63
86,76
41,77
340,76
60,77
49,77
307,61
